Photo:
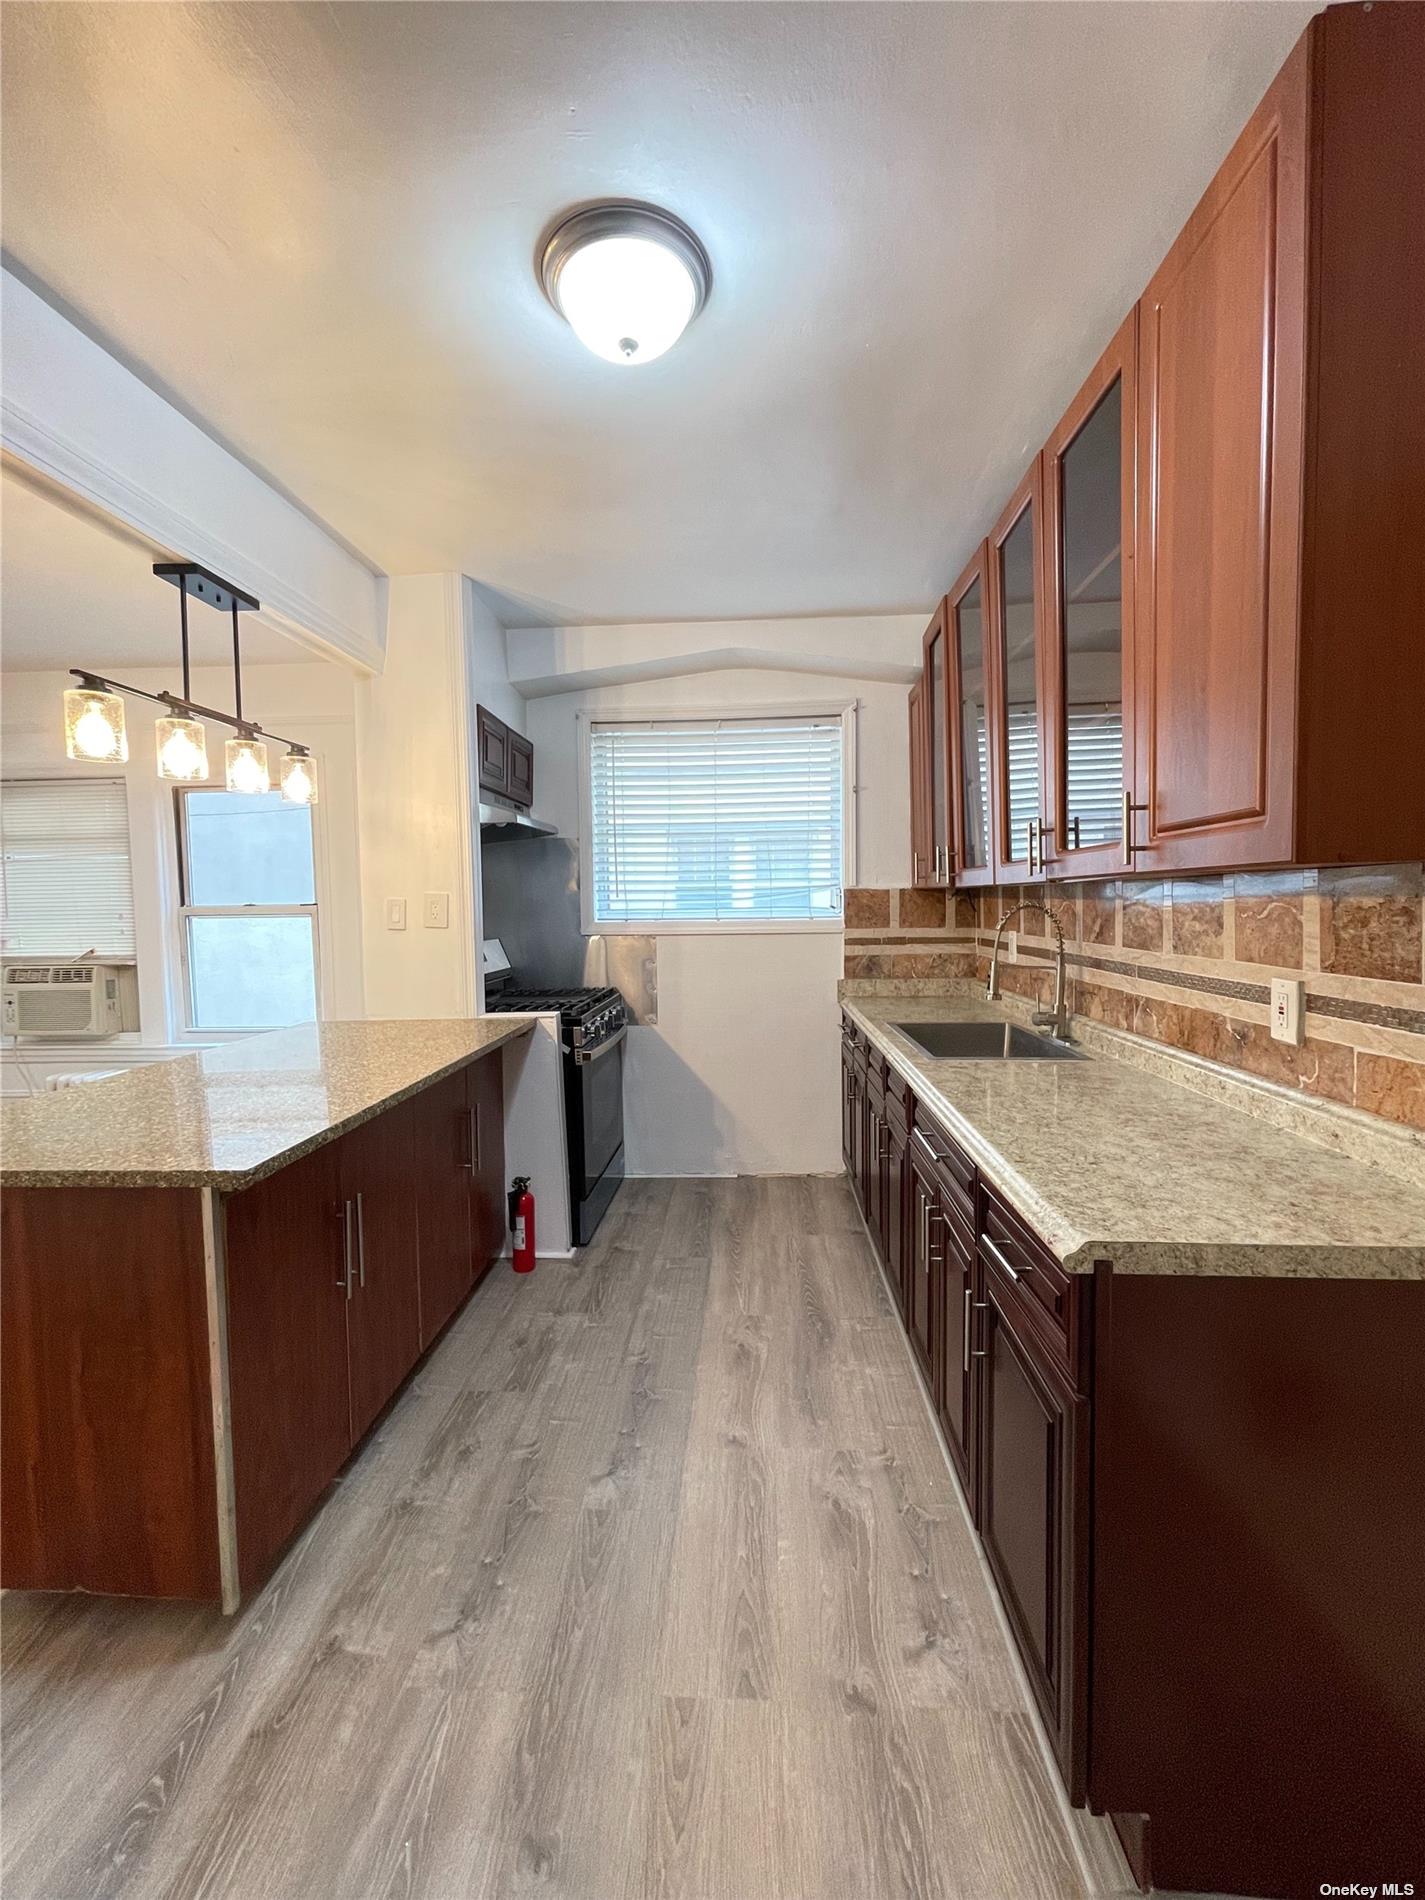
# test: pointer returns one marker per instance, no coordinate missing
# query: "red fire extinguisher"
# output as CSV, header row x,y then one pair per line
x,y
522,1224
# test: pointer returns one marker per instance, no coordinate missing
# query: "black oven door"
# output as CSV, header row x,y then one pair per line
x,y
594,1101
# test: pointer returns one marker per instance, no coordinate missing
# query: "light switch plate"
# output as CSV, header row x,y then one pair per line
x,y
1287,1010
395,913
435,912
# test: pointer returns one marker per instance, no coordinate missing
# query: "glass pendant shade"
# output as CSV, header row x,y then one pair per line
x,y
182,750
94,727
299,779
247,770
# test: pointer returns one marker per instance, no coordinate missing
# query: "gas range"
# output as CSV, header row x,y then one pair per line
x,y
589,1017
593,1025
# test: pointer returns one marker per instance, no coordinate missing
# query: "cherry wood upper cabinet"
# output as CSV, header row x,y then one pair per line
x,y
919,787
1017,682
936,865
1088,468
1280,669
973,795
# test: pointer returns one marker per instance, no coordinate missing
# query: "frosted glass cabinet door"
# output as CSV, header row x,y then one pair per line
x,y
972,782
1089,530
937,866
1017,749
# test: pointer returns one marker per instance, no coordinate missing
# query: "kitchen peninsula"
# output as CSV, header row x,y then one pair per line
x,y
217,1272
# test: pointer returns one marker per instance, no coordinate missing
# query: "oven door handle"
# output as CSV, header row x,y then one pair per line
x,y
585,1056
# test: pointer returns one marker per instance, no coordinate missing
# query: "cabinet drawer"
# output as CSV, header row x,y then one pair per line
x,y
900,1101
954,1169
1047,1295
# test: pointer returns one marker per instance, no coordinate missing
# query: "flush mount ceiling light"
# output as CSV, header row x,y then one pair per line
x,y
627,278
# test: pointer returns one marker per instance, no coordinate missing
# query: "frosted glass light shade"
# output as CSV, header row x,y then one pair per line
x,y
299,778
628,299
627,277
94,728
182,750
246,761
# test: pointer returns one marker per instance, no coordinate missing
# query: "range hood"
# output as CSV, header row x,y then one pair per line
x,y
505,821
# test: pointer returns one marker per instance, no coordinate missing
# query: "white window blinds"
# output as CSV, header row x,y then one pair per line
x,y
716,821
1095,775
67,885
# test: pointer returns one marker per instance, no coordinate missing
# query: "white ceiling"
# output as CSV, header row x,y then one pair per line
x,y
75,591
314,225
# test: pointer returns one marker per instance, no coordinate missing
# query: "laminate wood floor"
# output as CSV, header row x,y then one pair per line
x,y
651,1585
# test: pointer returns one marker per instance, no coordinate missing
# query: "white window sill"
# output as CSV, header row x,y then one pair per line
x,y
697,927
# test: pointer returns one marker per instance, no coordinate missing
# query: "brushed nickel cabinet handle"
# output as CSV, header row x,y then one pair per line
x,y
994,1253
967,1329
1128,810
347,1237
343,1279
925,1143
360,1240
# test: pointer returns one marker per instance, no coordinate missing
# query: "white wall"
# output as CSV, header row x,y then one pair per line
x,y
740,1074
78,417
307,701
417,835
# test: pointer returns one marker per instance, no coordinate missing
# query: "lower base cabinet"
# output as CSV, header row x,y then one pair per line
x,y
341,1269
1190,1494
960,1303
1032,1443
289,1390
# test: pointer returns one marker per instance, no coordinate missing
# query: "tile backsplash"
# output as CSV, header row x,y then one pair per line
x,y
1189,961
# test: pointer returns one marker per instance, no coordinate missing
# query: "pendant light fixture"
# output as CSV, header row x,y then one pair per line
x,y
94,728
299,777
182,743
627,277
245,756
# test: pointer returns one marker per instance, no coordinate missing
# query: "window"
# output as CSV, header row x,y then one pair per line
x,y
249,909
719,821
67,887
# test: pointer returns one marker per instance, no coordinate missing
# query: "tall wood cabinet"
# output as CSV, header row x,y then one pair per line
x,y
1089,494
1281,503
1205,597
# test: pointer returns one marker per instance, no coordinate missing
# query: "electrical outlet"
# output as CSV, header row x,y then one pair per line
x,y
395,913
1010,946
1286,1009
435,912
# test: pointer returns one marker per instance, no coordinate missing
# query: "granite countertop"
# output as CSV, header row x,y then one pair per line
x,y
227,1116
1106,1162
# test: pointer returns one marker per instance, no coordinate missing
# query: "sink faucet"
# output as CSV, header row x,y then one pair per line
x,y
1057,1019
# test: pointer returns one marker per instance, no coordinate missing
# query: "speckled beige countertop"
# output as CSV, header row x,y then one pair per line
x,y
1108,1163
225,1117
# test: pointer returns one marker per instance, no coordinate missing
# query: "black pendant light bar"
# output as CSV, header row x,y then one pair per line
x,y
198,583
188,708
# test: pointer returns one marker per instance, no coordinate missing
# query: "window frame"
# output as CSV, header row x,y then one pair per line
x,y
183,910
615,714
127,959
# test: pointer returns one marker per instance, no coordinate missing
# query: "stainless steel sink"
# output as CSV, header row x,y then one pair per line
x,y
986,1042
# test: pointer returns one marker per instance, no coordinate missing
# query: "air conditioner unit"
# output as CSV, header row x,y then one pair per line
x,y
61,999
